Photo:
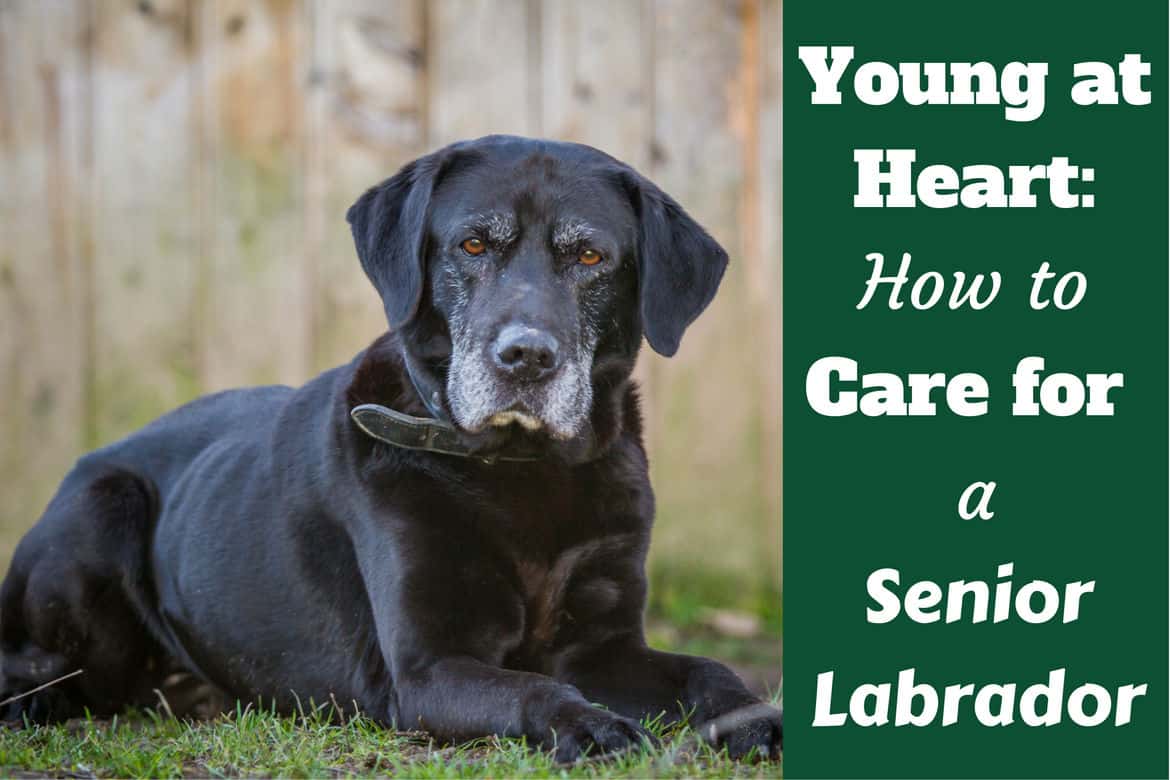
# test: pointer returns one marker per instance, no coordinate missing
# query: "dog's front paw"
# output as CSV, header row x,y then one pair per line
x,y
585,730
756,730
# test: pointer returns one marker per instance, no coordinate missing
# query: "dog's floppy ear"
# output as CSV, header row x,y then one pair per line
x,y
679,265
389,224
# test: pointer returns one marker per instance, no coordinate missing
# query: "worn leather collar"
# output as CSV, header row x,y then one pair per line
x,y
427,434
435,433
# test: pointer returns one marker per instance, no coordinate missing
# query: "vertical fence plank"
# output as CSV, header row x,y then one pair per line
x,y
771,247
367,109
254,328
44,49
145,206
481,62
756,122
596,79
708,396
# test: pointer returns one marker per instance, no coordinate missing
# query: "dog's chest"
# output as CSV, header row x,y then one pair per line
x,y
568,597
577,587
575,545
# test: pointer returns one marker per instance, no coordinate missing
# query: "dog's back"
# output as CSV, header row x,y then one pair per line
x,y
163,449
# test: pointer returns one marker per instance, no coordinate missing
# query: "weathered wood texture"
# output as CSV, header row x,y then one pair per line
x,y
174,176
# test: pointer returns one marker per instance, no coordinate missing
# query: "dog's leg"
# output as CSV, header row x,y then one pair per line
x,y
636,681
447,619
460,698
65,604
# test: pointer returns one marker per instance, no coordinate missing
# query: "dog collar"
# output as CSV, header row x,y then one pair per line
x,y
427,434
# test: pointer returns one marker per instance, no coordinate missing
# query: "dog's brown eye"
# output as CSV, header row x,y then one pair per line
x,y
589,257
473,246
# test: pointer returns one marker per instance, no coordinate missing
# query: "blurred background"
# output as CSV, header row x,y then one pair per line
x,y
174,176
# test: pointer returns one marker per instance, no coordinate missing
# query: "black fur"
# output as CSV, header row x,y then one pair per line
x,y
260,541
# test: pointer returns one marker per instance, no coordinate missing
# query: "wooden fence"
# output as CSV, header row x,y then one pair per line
x,y
174,176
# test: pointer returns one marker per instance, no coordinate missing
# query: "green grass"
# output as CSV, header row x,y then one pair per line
x,y
255,743
681,591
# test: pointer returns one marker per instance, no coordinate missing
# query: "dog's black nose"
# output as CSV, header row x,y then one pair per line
x,y
526,353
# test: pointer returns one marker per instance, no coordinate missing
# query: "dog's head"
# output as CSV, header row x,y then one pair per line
x,y
522,274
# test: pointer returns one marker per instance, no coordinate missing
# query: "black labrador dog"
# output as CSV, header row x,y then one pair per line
x,y
450,532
